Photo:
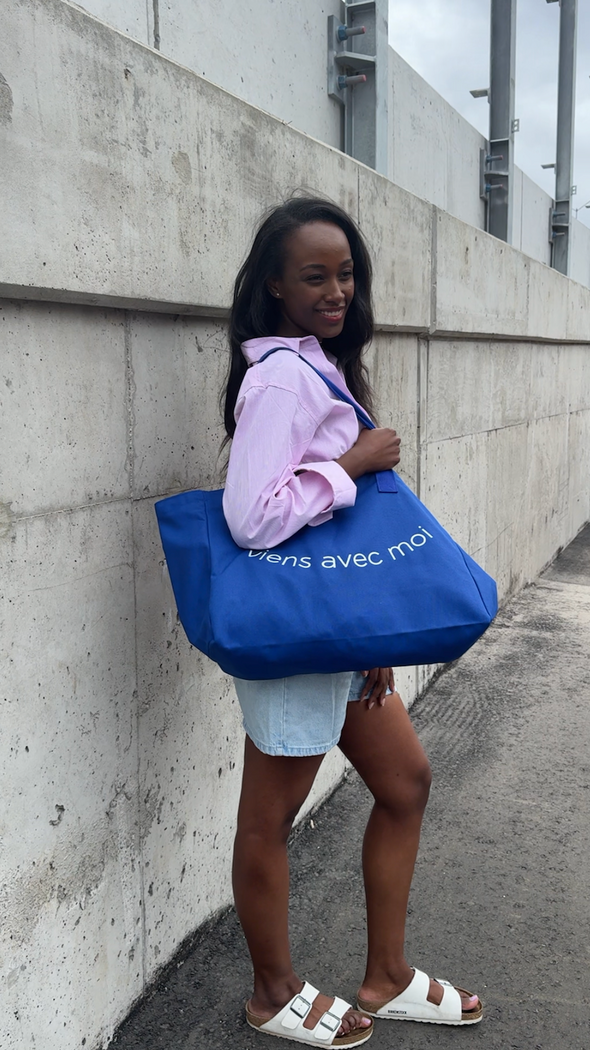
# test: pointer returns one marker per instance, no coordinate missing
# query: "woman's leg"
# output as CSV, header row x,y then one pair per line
x,y
273,790
383,747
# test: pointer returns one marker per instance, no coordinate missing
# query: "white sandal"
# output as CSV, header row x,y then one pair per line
x,y
288,1023
412,1004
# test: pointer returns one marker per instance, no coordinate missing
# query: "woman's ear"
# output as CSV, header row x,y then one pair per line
x,y
274,291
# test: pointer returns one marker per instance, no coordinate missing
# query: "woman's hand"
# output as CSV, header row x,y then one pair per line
x,y
373,450
378,681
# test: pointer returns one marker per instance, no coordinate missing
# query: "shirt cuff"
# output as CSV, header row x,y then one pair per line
x,y
342,486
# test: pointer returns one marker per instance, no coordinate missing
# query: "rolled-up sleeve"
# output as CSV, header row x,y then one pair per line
x,y
271,492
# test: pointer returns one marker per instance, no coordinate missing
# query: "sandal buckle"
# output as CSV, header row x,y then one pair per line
x,y
300,1007
333,1024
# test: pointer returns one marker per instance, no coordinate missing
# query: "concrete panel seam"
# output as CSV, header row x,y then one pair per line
x,y
71,297
492,430
421,406
156,13
502,337
79,10
73,509
402,329
433,270
135,701
130,394
130,391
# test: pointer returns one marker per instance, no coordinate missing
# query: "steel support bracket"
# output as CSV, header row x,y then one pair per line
x,y
342,61
496,177
358,79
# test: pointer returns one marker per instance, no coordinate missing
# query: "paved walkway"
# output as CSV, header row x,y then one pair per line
x,y
501,898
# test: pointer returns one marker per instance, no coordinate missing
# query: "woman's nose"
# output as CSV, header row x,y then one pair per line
x,y
334,293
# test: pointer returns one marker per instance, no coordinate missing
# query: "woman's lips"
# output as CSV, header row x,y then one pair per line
x,y
332,316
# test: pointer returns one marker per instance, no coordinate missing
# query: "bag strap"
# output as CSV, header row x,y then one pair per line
x,y
385,478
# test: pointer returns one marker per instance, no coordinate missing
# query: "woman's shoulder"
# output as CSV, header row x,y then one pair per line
x,y
285,370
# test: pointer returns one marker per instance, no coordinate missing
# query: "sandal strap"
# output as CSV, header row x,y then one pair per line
x,y
329,1023
294,1013
416,994
290,1019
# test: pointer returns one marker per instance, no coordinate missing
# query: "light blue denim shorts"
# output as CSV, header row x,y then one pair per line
x,y
302,715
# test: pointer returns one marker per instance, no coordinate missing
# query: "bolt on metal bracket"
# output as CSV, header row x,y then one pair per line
x,y
345,68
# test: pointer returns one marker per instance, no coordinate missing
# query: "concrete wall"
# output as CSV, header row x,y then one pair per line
x,y
531,218
434,152
130,187
271,53
580,253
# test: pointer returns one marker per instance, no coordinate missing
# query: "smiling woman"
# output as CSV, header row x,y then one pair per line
x,y
315,295
296,453
259,310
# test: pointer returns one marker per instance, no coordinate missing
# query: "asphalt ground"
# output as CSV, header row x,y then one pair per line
x,y
500,902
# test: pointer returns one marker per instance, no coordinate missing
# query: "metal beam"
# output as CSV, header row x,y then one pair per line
x,y
358,78
564,161
499,166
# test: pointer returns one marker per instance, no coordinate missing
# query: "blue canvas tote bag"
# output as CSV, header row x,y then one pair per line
x,y
381,584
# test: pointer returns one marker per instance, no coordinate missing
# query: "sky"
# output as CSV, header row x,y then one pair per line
x,y
447,43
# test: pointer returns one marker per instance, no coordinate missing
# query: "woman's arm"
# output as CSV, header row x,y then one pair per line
x,y
270,493
374,450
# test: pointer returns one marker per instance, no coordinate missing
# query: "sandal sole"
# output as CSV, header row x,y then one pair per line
x,y
421,1020
313,1042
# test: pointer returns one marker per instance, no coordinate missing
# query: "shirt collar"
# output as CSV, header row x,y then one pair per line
x,y
253,349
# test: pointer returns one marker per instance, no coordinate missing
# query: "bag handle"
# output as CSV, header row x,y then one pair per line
x,y
385,478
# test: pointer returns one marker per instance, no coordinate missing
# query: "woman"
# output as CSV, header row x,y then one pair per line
x,y
295,455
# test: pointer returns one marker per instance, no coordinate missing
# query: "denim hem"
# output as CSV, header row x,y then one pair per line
x,y
292,752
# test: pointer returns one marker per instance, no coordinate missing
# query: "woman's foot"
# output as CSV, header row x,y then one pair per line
x,y
385,993
264,1008
396,999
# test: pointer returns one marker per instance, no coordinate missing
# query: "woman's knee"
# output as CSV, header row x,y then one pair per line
x,y
273,790
405,792
271,825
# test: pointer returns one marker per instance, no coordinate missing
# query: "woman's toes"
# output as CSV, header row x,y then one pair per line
x,y
351,1020
469,1002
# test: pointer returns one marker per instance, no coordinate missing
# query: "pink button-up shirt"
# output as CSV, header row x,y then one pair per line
x,y
290,429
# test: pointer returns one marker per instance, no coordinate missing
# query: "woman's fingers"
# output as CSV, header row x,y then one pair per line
x,y
378,682
370,680
380,687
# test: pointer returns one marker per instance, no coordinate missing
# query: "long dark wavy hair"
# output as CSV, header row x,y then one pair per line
x,y
255,312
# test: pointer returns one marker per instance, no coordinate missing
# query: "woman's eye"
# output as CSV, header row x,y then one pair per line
x,y
346,276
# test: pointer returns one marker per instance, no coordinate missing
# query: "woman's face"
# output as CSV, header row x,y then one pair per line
x,y
317,284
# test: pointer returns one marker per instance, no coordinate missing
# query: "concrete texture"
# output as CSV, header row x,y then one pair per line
x,y
131,181
71,883
273,56
153,177
434,151
39,343
501,897
487,457
580,253
243,50
531,218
